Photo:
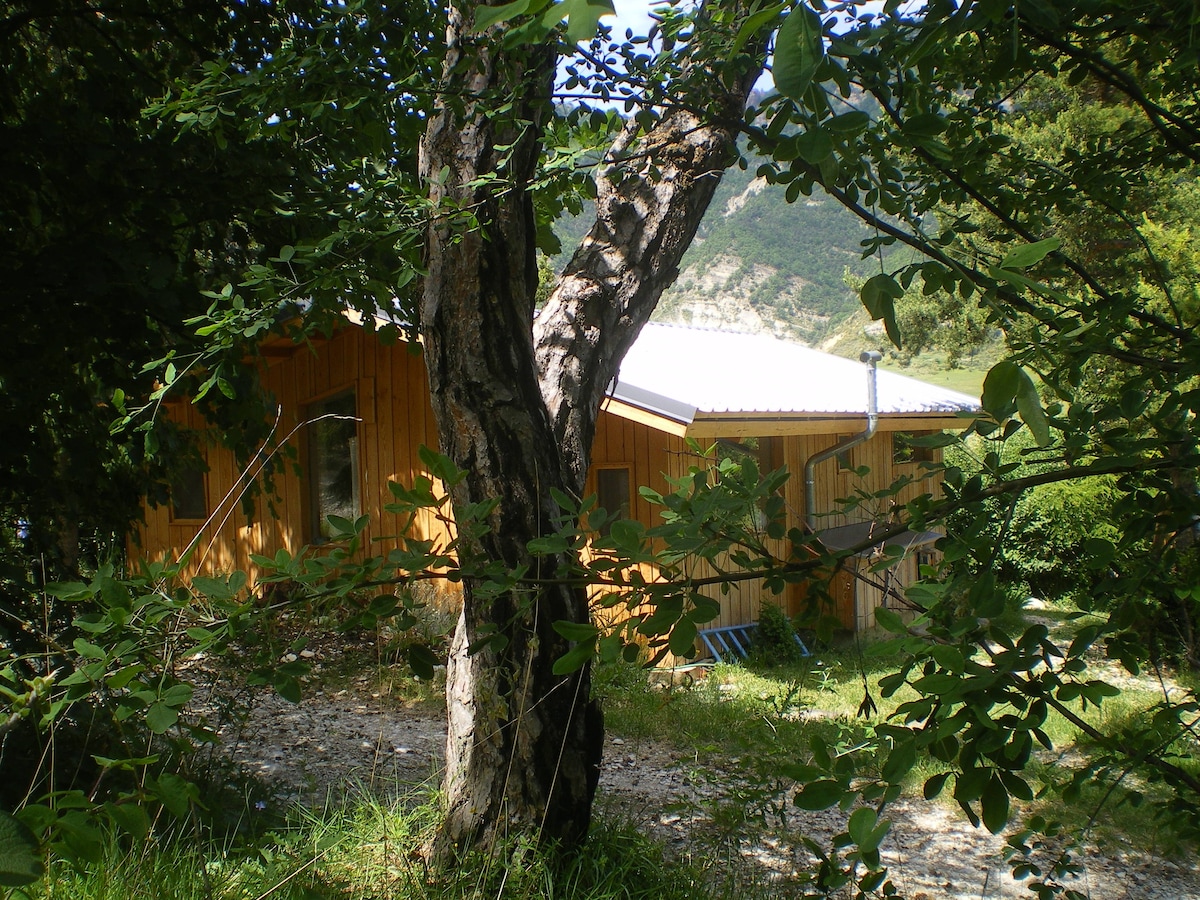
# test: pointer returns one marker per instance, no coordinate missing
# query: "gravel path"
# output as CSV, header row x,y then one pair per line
x,y
334,744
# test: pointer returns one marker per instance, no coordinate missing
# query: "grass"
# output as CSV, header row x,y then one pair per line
x,y
367,851
767,718
748,723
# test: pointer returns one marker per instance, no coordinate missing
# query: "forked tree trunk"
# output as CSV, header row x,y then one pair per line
x,y
523,751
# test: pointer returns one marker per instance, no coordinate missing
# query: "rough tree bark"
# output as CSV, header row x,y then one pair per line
x,y
524,745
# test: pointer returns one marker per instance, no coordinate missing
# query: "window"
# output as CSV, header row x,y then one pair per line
x,y
905,450
612,492
845,459
926,559
189,499
332,462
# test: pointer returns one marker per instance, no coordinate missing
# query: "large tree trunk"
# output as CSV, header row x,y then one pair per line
x,y
523,750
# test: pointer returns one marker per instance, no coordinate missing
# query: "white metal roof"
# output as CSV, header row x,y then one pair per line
x,y
679,371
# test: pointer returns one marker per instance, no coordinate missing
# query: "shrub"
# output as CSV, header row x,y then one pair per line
x,y
775,644
1050,527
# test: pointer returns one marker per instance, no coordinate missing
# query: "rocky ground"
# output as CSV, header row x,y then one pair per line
x,y
338,742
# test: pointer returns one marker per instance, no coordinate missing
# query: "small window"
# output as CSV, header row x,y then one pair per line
x,y
613,492
189,499
927,559
332,462
845,459
904,450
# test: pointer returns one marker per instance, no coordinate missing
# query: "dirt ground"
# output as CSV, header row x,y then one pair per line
x,y
335,744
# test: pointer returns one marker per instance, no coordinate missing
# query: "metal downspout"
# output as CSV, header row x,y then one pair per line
x,y
871,358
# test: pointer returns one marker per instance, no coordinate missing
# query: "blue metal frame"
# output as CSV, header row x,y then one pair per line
x,y
734,641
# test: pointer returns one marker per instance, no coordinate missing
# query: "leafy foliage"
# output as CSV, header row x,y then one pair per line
x,y
1075,241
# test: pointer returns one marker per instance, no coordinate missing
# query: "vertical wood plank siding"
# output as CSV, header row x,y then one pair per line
x,y
392,403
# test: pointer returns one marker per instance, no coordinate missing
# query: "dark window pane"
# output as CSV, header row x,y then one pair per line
x,y
845,459
332,462
188,499
905,451
902,450
612,491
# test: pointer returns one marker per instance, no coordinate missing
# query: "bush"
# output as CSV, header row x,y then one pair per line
x,y
775,644
1051,527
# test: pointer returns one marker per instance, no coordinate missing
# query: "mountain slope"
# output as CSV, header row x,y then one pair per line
x,y
762,264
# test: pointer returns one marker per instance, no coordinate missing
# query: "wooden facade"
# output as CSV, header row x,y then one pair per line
x,y
632,447
391,403
652,453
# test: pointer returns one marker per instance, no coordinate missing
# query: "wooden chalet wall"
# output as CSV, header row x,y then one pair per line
x,y
855,600
651,453
391,397
391,400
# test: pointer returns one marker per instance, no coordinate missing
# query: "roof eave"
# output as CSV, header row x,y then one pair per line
x,y
741,424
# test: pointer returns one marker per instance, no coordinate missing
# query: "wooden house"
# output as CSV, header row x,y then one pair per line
x,y
355,412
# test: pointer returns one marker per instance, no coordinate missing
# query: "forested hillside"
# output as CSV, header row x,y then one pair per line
x,y
760,264
766,265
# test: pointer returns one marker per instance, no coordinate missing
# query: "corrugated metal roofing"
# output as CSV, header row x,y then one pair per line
x,y
727,372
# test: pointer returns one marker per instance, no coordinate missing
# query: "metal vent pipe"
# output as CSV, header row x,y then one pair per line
x,y
871,358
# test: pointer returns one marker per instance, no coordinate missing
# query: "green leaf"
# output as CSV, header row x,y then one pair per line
x,y
175,793
947,657
753,25
1029,407
994,803
160,717
383,605
899,762
934,785
879,295
20,860
70,591
130,818
575,659
123,676
859,826
583,17
487,16
924,126
576,631
1000,388
849,123
820,795
440,466
178,695
799,50
1028,254
1015,278
683,638
549,545
1008,385
889,620
866,831
814,145
422,661
287,686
